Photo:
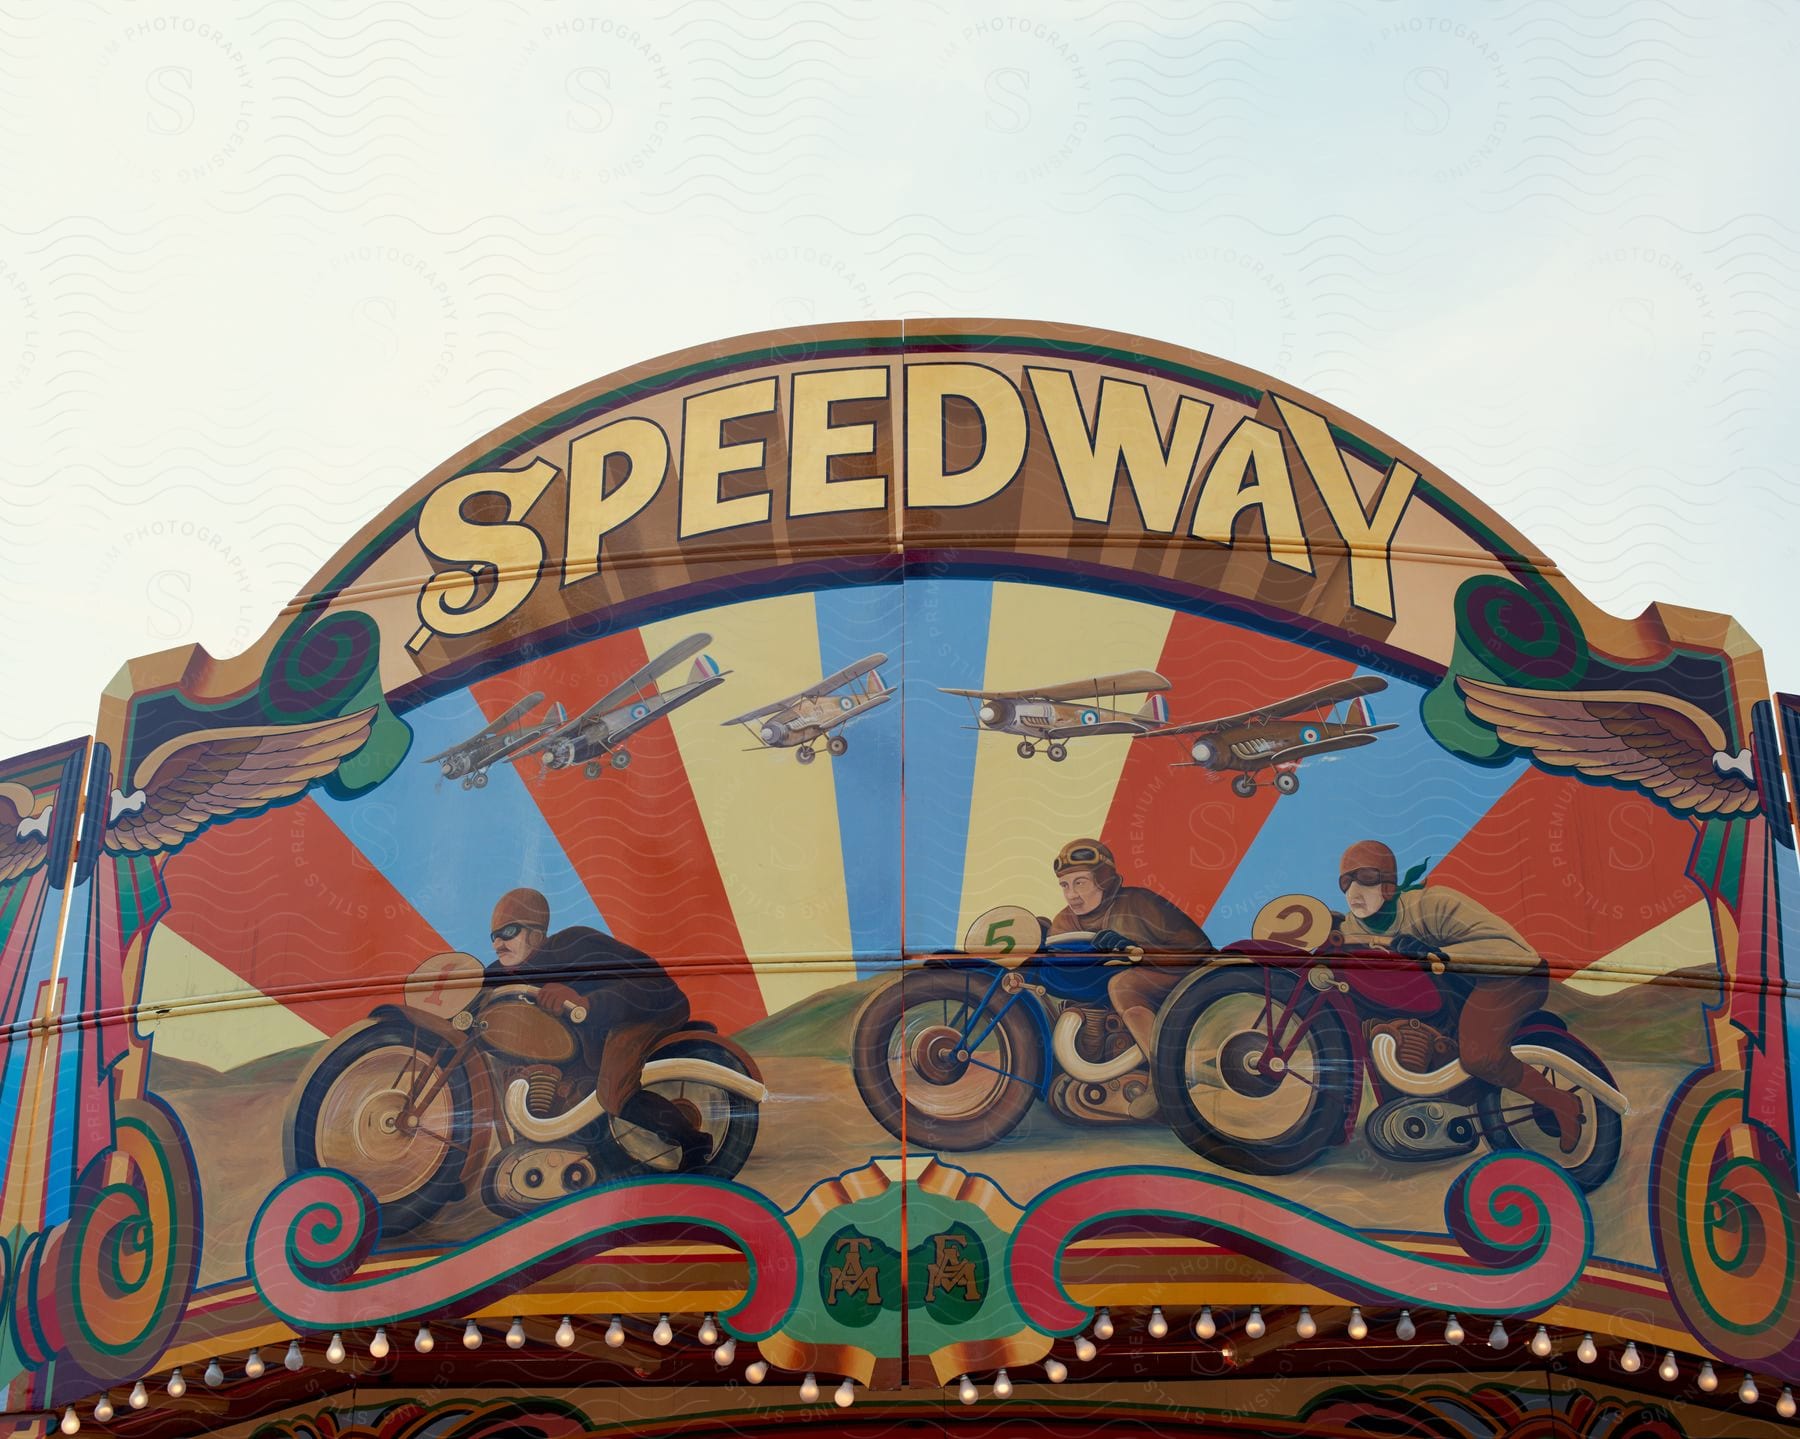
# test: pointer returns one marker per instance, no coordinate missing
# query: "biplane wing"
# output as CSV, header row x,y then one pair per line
x,y
661,665
553,720
1327,746
866,665
761,711
1321,698
1132,682
493,730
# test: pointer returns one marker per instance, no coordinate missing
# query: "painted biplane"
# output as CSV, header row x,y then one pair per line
x,y
1051,715
1275,738
819,711
471,759
596,737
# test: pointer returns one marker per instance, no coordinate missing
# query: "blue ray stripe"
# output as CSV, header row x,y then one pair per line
x,y
59,1186
452,852
1405,790
946,644
854,623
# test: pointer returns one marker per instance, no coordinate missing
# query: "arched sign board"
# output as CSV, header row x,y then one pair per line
x,y
899,836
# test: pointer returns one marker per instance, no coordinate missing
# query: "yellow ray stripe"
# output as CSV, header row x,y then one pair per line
x,y
773,823
1022,811
1679,942
177,973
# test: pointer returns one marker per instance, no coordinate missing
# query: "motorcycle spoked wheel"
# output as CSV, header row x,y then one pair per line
x,y
351,1116
623,1149
1510,1121
1224,1108
903,1058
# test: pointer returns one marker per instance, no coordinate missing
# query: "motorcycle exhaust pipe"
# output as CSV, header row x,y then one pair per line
x,y
1385,1053
1062,1043
585,1111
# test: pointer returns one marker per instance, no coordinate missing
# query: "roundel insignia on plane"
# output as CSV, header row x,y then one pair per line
x,y
845,702
638,711
1090,717
1309,734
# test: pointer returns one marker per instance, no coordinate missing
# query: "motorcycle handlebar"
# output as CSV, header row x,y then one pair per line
x,y
576,1012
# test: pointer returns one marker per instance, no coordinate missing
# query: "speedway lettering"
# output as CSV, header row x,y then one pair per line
x,y
958,434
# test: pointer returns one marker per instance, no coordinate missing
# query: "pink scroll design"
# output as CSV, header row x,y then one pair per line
x,y
1519,1219
313,1234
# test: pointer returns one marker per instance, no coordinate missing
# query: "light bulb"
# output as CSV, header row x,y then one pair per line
x,y
1497,1336
1306,1326
1453,1332
471,1335
726,1352
1158,1326
709,1331
664,1332
295,1359
1406,1331
214,1375
139,1395
1540,1342
515,1336
1669,1369
71,1421
1587,1351
1747,1391
422,1341
756,1371
809,1390
378,1346
177,1385
103,1409
1785,1405
1103,1325
1358,1327
1085,1349
1055,1370
845,1395
565,1333
1254,1328
1708,1380
1002,1385
334,1351
966,1390
1629,1360
1204,1326
615,1333
254,1368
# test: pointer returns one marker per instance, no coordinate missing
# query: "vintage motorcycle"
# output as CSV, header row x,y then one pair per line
x,y
462,1085
1260,1059
953,1053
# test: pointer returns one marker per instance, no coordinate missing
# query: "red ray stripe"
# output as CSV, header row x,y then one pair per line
x,y
285,900
1182,832
1577,868
636,837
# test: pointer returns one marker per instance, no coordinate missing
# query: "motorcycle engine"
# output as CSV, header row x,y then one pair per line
x,y
1420,1047
542,1082
1102,1035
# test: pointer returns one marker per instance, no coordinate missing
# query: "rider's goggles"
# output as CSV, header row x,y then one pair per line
x,y
1079,855
1363,876
508,931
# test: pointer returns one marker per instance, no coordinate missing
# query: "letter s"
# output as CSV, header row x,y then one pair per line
x,y
171,90
380,313
1010,111
1428,87
591,90
176,617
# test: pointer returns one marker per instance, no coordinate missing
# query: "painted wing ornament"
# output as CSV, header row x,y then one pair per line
x,y
1673,749
198,778
24,830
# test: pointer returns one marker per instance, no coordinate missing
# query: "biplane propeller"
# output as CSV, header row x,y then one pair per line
x,y
471,759
819,711
1051,715
596,737
1275,738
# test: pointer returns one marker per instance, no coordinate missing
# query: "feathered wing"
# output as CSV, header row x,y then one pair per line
x,y
1664,745
199,778
23,845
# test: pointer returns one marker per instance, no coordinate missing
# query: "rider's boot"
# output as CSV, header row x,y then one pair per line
x,y
651,1111
1564,1107
1140,1023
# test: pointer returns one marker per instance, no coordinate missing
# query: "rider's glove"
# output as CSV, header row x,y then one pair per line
x,y
1412,947
1110,941
554,997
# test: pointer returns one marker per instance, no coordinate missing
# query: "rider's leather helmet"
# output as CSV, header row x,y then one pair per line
x,y
1083,854
1369,861
525,907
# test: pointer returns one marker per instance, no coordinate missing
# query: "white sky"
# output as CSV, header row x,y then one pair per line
x,y
263,265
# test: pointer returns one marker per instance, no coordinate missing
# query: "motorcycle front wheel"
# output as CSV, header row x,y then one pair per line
x,y
1218,1094
389,1108
729,1121
905,1051
1510,1121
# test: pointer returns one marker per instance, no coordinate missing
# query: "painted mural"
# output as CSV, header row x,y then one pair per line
x,y
861,817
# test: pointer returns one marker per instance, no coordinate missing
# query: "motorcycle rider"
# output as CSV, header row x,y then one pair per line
x,y
1437,923
630,999
1123,917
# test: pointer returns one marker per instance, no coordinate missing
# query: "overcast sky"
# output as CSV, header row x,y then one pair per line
x,y
263,265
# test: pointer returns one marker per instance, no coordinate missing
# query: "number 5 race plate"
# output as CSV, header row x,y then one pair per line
x,y
1008,934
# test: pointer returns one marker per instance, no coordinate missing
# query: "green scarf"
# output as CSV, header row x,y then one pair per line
x,y
1383,919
